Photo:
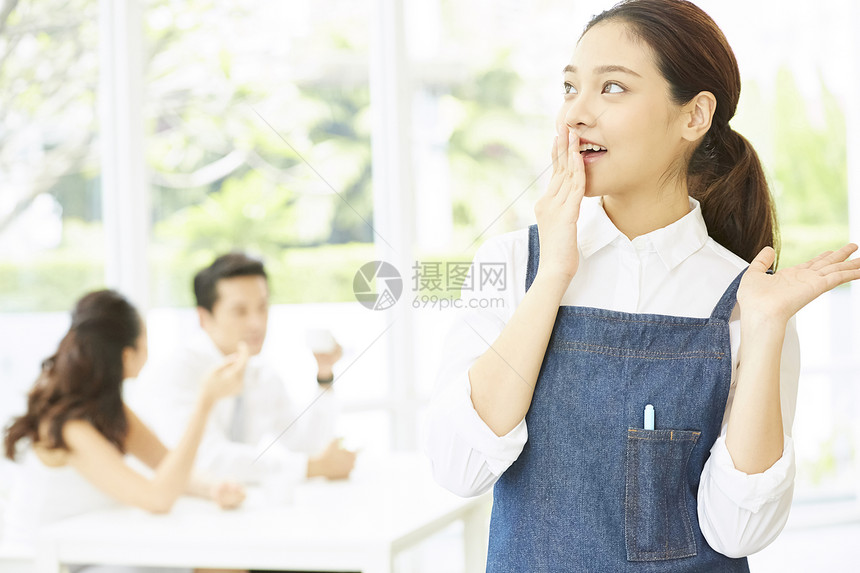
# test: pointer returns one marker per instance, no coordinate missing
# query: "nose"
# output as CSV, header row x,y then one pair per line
x,y
579,113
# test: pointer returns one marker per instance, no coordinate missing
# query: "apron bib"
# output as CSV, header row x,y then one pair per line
x,y
594,491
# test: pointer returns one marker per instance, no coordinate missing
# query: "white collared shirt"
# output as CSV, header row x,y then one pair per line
x,y
676,270
278,434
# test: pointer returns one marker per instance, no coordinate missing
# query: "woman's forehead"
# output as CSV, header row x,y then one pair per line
x,y
612,44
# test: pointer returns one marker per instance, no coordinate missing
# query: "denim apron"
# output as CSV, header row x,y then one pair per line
x,y
592,490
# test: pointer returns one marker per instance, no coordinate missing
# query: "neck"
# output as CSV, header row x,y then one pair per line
x,y
636,214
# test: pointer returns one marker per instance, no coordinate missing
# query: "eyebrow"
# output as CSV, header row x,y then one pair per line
x,y
605,70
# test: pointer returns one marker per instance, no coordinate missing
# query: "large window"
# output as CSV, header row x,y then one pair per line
x,y
51,233
258,138
262,124
50,203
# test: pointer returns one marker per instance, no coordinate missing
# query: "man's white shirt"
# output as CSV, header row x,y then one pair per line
x,y
278,434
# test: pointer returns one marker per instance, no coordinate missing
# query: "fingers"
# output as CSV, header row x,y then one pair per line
x,y
229,495
576,173
811,262
574,158
243,352
763,260
840,269
557,172
831,257
842,277
237,361
563,145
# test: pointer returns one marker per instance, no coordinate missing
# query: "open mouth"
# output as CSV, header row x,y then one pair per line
x,y
591,151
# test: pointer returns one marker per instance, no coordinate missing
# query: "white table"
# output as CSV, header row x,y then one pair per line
x,y
388,505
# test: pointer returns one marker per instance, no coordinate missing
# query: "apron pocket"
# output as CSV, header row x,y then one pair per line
x,y
656,522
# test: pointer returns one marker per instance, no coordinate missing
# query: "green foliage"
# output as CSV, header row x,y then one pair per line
x,y
803,148
51,282
834,456
247,213
313,274
810,168
489,148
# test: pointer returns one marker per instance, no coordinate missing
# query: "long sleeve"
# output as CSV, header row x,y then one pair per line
x,y
306,424
741,514
250,463
467,457
278,437
262,452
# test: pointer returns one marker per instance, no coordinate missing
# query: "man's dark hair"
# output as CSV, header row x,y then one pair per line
x,y
224,267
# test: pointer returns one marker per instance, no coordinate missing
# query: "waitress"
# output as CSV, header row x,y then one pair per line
x,y
653,296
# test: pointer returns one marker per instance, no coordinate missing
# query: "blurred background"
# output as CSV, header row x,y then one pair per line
x,y
139,139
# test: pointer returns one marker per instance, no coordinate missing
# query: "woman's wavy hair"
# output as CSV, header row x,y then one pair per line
x,y
724,173
83,379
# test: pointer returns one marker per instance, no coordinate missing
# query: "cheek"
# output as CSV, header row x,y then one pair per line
x,y
226,326
634,135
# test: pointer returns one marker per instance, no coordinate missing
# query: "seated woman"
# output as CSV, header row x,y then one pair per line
x,y
79,428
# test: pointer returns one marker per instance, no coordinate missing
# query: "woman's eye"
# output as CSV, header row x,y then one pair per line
x,y
612,88
568,88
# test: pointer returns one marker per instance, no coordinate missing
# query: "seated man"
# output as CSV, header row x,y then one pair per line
x,y
233,305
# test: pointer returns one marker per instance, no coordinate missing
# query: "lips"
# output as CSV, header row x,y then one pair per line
x,y
590,157
591,151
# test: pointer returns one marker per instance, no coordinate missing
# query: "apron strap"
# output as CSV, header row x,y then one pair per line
x,y
723,310
534,256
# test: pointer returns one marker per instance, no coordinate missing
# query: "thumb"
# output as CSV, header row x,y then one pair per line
x,y
242,352
236,362
763,260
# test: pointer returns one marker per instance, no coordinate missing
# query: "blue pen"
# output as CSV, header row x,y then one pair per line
x,y
649,417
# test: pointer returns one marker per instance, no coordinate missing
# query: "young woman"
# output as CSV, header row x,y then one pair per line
x,y
79,429
632,403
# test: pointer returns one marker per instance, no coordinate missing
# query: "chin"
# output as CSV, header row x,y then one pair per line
x,y
592,192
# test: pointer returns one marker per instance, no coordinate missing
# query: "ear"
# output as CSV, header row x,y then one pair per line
x,y
127,358
697,115
203,316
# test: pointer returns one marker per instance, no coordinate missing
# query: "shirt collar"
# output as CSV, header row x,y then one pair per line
x,y
673,243
201,343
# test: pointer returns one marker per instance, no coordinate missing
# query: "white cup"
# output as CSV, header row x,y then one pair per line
x,y
320,340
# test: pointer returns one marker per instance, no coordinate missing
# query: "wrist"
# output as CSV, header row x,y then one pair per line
x,y
762,336
763,321
551,282
325,377
205,402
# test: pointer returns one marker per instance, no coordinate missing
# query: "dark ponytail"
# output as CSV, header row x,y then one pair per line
x,y
726,177
83,379
724,172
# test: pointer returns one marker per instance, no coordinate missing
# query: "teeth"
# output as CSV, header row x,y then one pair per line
x,y
590,147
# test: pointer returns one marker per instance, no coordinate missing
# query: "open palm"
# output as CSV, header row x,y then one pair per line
x,y
780,295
